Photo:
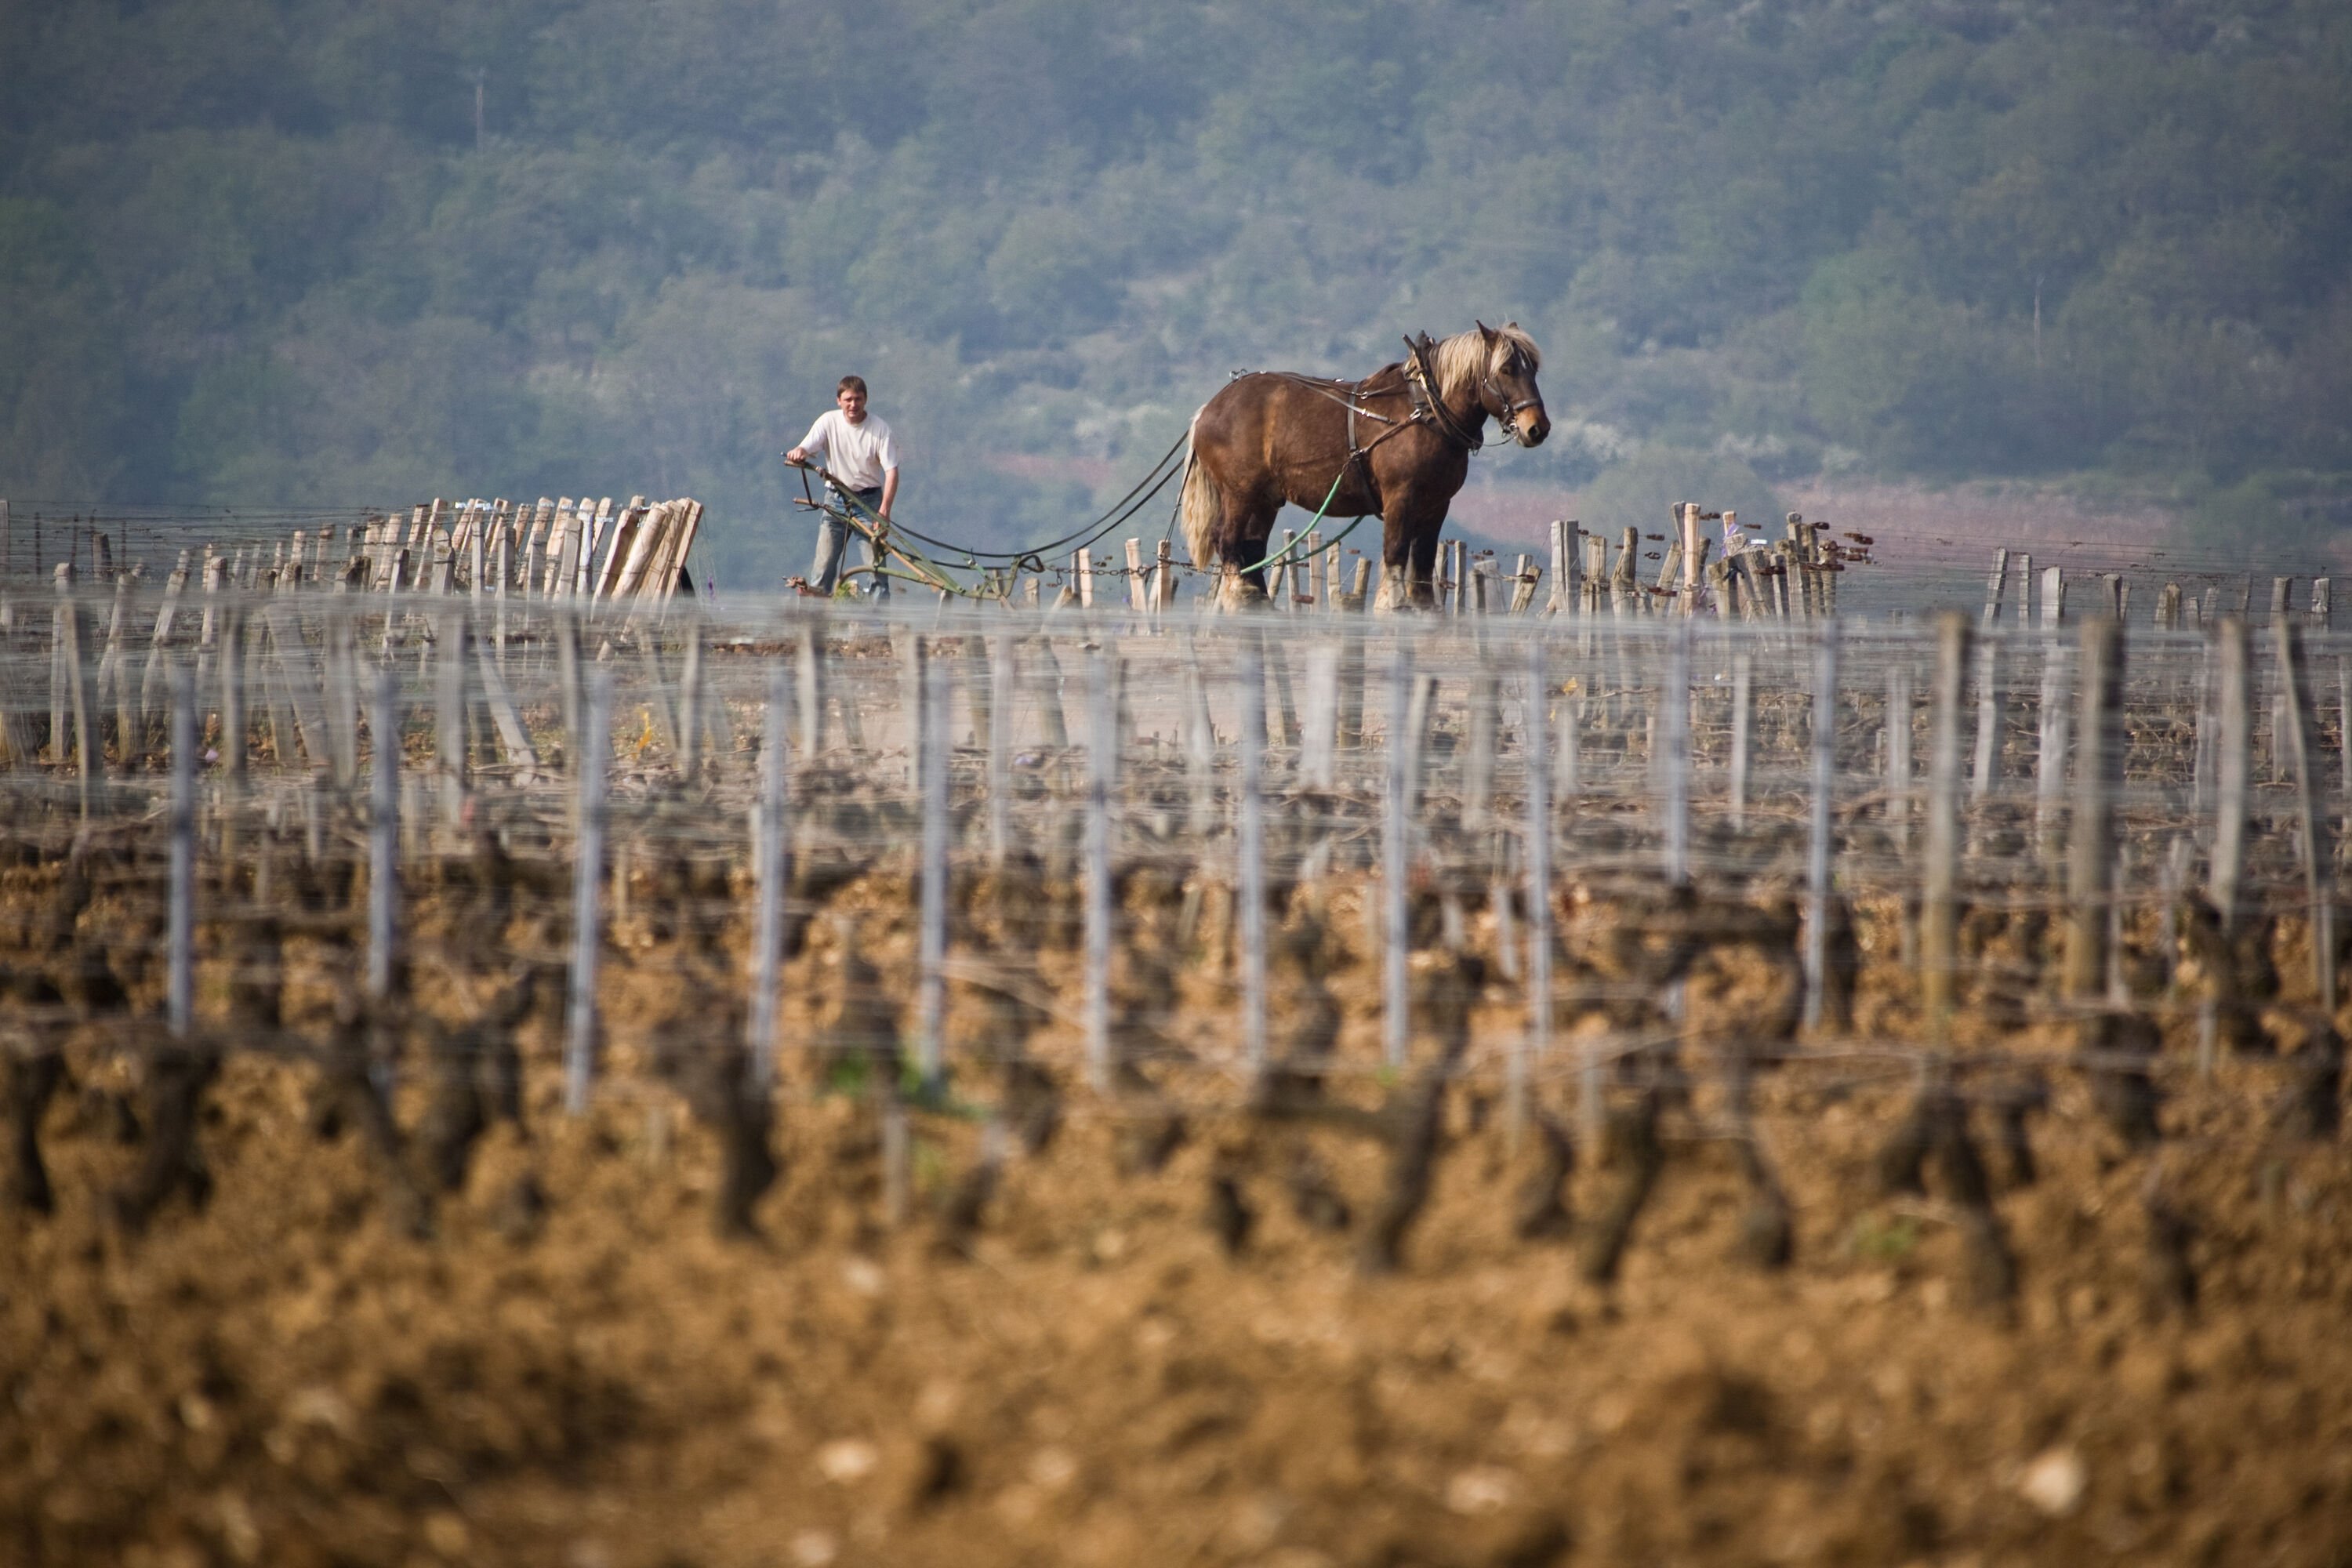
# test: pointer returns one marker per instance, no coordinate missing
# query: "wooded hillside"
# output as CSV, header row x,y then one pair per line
x,y
263,251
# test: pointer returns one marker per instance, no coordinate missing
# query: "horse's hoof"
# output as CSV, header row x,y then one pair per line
x,y
1241,594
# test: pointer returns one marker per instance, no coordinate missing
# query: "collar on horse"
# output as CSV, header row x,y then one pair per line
x,y
1420,380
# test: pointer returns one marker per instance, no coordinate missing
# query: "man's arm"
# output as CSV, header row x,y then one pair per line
x,y
889,491
811,442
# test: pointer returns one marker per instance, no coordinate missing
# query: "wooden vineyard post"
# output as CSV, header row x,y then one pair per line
x,y
1284,728
1674,737
2024,590
1163,579
1623,583
62,638
1817,859
1135,599
2317,857
2053,597
15,720
1044,671
1250,878
2050,754
152,680
1101,740
1201,741
1082,568
1825,569
1566,750
2344,732
72,654
2090,849
1669,570
180,986
514,739
298,675
1694,561
112,669
688,747
342,693
1395,932
1319,741
208,630
1743,730
587,878
912,656
1994,584
232,708
1537,846
383,834
565,618
505,569
2233,773
1899,747
1939,911
1483,721
1002,683
2321,613
1353,674
931,955
772,871
449,716
808,674
1990,716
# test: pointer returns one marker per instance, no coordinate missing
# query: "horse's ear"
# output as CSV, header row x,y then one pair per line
x,y
1485,331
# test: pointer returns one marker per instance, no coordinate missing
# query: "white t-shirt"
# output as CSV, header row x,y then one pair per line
x,y
857,454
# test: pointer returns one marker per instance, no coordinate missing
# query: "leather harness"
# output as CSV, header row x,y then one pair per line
x,y
1427,409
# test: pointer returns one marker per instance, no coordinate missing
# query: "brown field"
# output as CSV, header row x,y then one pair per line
x,y
572,1368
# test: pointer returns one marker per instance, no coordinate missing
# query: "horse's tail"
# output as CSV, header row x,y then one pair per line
x,y
1203,508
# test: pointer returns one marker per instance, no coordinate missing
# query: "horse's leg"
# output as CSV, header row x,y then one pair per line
x,y
1396,563
1409,553
1424,566
1252,527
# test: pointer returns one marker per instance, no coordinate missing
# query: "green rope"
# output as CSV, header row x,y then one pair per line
x,y
1285,552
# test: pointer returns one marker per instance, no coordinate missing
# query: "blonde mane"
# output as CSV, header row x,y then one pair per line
x,y
1459,365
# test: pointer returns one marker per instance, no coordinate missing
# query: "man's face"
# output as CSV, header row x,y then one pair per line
x,y
853,404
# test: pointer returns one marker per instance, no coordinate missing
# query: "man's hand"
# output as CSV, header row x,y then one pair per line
x,y
797,458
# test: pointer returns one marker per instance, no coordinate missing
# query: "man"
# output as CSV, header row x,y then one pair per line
x,y
858,451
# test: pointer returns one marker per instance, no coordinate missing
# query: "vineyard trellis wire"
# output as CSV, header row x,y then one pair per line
x,y
1539,823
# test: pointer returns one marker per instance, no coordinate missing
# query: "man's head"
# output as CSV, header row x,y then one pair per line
x,y
851,395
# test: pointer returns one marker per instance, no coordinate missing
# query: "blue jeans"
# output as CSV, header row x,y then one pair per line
x,y
833,543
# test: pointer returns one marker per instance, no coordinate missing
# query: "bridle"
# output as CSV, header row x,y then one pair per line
x,y
1428,404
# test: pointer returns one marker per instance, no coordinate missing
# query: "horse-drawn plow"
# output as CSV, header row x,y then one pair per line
x,y
798,1085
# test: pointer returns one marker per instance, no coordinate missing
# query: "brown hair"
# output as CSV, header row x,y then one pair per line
x,y
855,384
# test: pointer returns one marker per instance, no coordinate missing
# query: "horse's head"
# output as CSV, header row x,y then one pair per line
x,y
1506,383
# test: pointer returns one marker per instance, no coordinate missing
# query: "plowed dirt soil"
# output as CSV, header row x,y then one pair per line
x,y
573,1369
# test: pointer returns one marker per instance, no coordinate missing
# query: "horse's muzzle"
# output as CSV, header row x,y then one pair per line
x,y
1529,426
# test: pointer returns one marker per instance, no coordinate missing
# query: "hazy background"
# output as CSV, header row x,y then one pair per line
x,y
255,253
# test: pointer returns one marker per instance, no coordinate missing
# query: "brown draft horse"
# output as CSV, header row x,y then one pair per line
x,y
1403,435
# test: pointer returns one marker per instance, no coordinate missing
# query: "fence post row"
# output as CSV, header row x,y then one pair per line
x,y
292,692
